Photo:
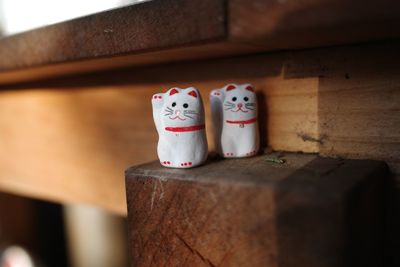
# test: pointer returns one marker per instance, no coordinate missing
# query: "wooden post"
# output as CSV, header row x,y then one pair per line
x,y
293,210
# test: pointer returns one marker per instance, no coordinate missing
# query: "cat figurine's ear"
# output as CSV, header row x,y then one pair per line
x,y
172,91
250,88
193,92
230,87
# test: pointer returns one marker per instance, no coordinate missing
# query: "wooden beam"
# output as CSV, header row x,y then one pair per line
x,y
276,24
177,30
152,25
75,142
74,135
308,211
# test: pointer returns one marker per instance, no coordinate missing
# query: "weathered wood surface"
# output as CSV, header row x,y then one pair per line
x,y
309,211
141,27
173,30
75,135
277,24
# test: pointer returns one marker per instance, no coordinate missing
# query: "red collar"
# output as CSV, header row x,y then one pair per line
x,y
185,129
243,122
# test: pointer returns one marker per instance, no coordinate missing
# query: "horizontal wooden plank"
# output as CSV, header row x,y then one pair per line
x,y
281,24
251,212
79,139
170,55
74,135
147,26
168,30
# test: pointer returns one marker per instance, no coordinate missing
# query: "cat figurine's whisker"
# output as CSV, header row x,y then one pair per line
x,y
190,117
191,112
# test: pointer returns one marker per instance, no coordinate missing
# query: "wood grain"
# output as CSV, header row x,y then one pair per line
x,y
142,27
165,56
166,30
74,135
74,143
250,212
277,24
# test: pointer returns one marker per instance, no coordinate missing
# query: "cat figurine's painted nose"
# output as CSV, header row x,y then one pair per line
x,y
240,105
177,112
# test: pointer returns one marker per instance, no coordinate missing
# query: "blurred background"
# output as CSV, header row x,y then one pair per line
x,y
22,15
37,233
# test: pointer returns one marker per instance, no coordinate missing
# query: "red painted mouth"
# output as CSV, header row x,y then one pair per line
x,y
177,117
240,109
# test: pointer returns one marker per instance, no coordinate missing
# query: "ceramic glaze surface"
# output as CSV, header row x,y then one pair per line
x,y
179,118
234,113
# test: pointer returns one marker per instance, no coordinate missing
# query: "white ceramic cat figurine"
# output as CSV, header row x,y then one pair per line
x,y
234,114
179,118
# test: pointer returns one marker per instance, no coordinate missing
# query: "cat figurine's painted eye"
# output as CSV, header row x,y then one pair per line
x,y
234,114
179,118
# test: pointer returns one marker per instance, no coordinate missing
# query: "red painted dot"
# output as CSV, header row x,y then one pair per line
x,y
168,162
185,164
190,164
181,164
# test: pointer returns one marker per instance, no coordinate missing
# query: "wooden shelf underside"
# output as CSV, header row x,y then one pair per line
x,y
163,31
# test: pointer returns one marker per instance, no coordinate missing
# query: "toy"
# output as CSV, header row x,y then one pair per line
x,y
179,118
234,114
